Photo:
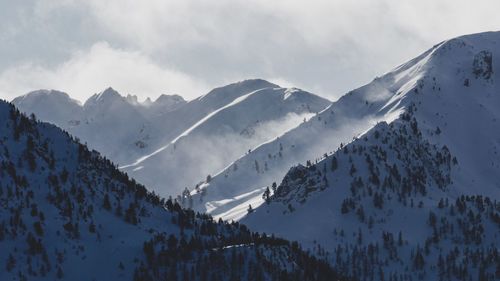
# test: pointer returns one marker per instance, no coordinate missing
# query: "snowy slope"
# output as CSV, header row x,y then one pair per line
x,y
68,213
266,164
141,136
351,115
222,136
112,125
415,197
107,121
52,106
163,104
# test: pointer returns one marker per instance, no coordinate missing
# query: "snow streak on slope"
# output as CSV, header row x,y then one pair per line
x,y
222,136
69,214
239,210
415,198
346,118
186,132
145,133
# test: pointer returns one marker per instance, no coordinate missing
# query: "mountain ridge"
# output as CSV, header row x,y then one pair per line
x,y
380,100
434,165
129,132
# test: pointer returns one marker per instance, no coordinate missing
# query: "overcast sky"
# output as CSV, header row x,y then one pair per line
x,y
188,47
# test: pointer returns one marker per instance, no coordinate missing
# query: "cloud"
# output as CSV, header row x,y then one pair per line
x,y
99,67
326,47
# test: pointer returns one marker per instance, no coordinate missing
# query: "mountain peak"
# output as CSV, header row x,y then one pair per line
x,y
460,51
234,90
49,105
109,92
132,99
36,95
256,81
107,96
168,102
46,92
251,83
163,97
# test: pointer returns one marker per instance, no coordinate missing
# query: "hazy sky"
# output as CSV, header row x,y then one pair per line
x,y
188,47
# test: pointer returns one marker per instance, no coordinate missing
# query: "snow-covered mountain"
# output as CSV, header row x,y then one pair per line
x,y
416,196
177,142
68,213
401,177
107,121
223,135
52,106
228,193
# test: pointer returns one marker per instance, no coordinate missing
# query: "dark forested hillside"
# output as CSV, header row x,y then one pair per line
x,y
68,213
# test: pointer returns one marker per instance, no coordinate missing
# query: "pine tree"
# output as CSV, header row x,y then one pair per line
x,y
266,195
361,214
334,163
130,214
11,263
38,228
418,260
352,170
274,187
106,204
344,209
378,200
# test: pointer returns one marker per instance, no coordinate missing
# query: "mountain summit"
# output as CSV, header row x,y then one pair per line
x,y
50,105
106,96
453,70
415,196
156,142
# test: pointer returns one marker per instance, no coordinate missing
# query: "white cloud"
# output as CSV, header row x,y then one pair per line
x,y
324,46
99,67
